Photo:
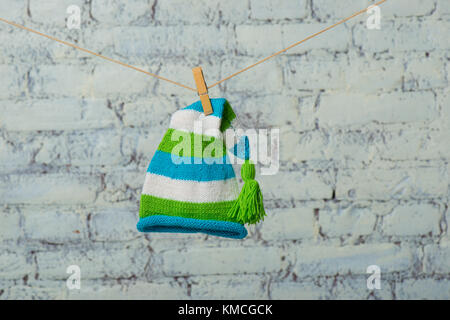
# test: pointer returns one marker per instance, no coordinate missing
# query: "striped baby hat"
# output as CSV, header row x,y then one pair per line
x,y
190,185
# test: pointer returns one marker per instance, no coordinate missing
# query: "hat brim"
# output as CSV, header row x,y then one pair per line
x,y
163,223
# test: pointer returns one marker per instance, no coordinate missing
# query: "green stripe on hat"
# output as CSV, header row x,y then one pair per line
x,y
209,145
151,205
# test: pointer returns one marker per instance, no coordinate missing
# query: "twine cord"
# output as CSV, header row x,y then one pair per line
x,y
175,82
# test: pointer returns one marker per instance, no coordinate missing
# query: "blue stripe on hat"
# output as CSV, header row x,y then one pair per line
x,y
242,148
162,223
217,106
186,168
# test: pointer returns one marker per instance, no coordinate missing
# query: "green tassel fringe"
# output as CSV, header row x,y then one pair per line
x,y
249,207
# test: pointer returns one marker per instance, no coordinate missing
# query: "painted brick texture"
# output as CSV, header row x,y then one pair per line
x,y
364,118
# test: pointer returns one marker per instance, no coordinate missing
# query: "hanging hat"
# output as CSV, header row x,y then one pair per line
x,y
190,185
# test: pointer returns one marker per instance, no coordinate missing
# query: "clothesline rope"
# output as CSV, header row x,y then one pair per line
x,y
96,54
175,82
296,44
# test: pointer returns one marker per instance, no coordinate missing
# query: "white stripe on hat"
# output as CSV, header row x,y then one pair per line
x,y
186,120
190,191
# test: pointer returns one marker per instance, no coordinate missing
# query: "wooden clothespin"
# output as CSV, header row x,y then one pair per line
x,y
202,90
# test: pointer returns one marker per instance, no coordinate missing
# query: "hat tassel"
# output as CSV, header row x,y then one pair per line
x,y
248,207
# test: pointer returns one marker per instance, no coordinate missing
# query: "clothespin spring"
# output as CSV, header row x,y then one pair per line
x,y
202,90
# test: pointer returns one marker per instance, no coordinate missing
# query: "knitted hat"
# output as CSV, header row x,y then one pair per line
x,y
190,185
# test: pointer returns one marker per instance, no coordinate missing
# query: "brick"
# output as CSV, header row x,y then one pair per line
x,y
329,9
338,110
308,185
11,82
41,114
60,81
123,186
408,8
298,291
55,114
103,86
232,11
114,224
27,292
329,260
285,10
442,7
248,82
438,144
48,189
13,265
296,111
139,290
205,12
113,12
343,219
415,183
204,261
305,146
39,224
15,154
307,119
158,40
15,10
256,40
10,228
444,105
289,224
99,147
437,258
422,144
20,51
359,75
352,148
412,219
398,36
355,288
101,40
144,113
430,289
228,287
155,291
27,49
425,74
144,145
379,208
94,263
447,213
52,150
335,41
371,76
305,74
96,113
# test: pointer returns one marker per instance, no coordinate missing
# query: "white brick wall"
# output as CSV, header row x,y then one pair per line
x,y
221,261
330,260
421,218
437,258
364,118
95,262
